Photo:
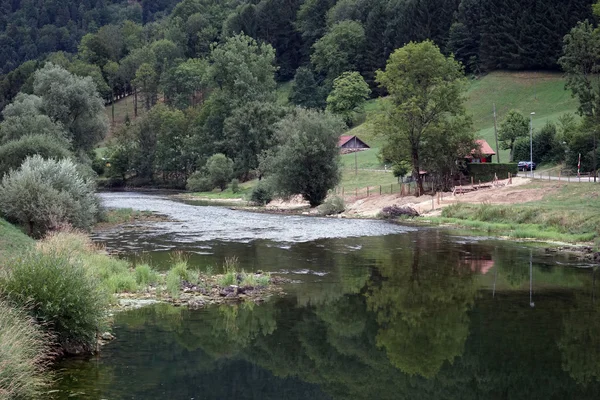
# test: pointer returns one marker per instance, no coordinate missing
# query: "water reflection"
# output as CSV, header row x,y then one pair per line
x,y
411,316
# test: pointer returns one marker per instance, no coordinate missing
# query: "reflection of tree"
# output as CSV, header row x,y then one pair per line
x,y
421,304
580,341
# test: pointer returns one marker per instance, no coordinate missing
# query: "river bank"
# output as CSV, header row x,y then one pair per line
x,y
522,209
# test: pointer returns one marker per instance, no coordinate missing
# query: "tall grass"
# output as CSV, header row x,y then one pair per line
x,y
23,360
61,294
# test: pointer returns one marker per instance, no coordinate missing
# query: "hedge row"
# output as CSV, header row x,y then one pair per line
x,y
487,172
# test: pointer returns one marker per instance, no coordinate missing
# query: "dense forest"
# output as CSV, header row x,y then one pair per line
x,y
329,36
30,29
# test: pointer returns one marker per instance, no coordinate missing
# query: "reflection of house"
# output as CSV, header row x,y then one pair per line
x,y
350,144
479,265
483,154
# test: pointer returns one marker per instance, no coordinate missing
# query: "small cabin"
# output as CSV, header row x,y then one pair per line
x,y
483,154
350,144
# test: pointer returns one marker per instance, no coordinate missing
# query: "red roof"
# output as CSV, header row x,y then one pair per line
x,y
484,148
344,139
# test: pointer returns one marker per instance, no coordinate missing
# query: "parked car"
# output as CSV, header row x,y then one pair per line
x,y
526,165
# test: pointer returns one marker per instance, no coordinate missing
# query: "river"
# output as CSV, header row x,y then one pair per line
x,y
376,311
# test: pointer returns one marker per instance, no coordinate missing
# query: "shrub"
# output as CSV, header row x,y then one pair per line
x,y
176,274
486,172
198,182
396,211
235,186
62,295
122,282
261,194
333,205
219,169
23,347
13,153
46,194
145,275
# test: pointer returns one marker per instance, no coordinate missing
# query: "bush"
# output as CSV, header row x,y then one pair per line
x,y
235,186
43,195
397,211
179,272
219,169
198,182
261,194
61,294
486,172
333,205
13,153
145,275
23,349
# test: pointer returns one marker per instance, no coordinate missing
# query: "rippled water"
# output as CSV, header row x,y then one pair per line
x,y
380,312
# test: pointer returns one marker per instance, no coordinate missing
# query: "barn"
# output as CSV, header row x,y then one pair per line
x,y
351,143
482,155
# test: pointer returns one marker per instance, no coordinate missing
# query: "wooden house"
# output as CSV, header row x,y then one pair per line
x,y
483,154
351,143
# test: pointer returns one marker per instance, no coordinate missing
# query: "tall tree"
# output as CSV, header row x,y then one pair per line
x,y
244,69
306,159
426,104
581,63
305,91
513,127
73,102
350,91
339,50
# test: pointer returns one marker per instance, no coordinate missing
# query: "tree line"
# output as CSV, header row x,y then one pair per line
x,y
327,37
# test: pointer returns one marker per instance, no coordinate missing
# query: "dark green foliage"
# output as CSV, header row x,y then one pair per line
x,y
248,132
235,185
306,160
199,182
487,172
262,193
514,34
32,29
13,153
219,169
61,294
305,90
547,147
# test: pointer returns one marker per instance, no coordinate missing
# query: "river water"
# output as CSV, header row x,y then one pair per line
x,y
376,311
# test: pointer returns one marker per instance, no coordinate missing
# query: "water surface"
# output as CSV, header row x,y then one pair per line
x,y
379,312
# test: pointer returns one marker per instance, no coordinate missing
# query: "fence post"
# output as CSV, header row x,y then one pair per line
x,y
559,175
367,191
433,202
355,192
391,188
342,191
380,190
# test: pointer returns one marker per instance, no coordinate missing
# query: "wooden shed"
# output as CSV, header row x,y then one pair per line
x,y
351,143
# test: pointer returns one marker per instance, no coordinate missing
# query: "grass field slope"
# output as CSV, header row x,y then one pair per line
x,y
540,92
12,239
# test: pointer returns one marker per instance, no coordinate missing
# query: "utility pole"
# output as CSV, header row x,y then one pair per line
x,y
595,151
496,134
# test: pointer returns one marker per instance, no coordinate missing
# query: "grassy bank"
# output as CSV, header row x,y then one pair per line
x,y
566,213
12,239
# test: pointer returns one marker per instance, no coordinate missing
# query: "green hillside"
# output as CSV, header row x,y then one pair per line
x,y
540,92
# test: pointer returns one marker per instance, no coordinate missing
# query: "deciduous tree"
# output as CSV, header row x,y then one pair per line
x,y
306,160
350,91
425,107
513,127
